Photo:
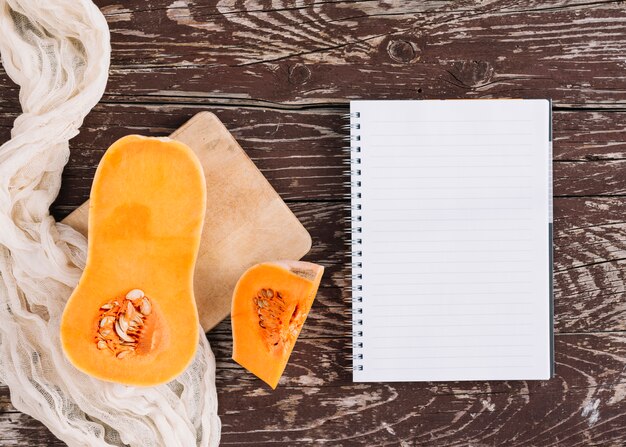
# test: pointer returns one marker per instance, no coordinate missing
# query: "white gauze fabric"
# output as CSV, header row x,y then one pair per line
x,y
58,52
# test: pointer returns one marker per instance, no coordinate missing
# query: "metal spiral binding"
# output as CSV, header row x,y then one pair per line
x,y
353,149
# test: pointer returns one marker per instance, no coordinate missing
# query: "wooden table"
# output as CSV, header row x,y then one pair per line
x,y
280,77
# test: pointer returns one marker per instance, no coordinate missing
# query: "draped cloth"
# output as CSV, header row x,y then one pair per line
x,y
58,52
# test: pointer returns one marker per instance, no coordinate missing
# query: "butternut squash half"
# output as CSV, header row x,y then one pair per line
x,y
270,304
132,319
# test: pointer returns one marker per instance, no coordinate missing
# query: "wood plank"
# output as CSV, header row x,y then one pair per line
x,y
300,151
578,135
20,430
582,136
321,51
583,405
5,400
325,52
319,401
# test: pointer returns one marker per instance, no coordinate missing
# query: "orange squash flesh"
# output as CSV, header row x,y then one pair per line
x,y
145,219
270,304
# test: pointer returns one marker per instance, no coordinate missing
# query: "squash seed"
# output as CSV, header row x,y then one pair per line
x,y
135,294
130,310
121,333
146,307
123,323
106,320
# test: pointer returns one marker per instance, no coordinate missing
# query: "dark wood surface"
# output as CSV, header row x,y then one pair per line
x,y
279,75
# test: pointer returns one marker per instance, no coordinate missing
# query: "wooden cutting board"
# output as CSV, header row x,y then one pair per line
x,y
246,220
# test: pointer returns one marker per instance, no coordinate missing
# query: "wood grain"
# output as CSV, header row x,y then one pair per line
x,y
279,74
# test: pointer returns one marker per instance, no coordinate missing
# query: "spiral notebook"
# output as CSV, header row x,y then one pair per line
x,y
452,240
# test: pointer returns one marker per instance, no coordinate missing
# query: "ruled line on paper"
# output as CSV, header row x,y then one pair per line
x,y
455,230
449,134
387,199
444,188
505,261
458,272
452,294
457,167
413,156
388,146
396,252
394,326
405,210
449,121
439,145
462,314
425,229
439,282
462,345
444,304
523,365
386,241
424,357
395,177
459,219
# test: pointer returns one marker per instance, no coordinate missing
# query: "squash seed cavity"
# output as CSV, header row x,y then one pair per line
x,y
278,323
121,323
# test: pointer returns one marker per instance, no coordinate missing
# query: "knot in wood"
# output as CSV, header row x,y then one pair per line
x,y
299,74
472,73
402,51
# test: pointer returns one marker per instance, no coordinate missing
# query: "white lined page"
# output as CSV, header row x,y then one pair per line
x,y
455,240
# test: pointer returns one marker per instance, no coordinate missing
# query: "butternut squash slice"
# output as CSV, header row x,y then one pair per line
x,y
270,304
132,319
